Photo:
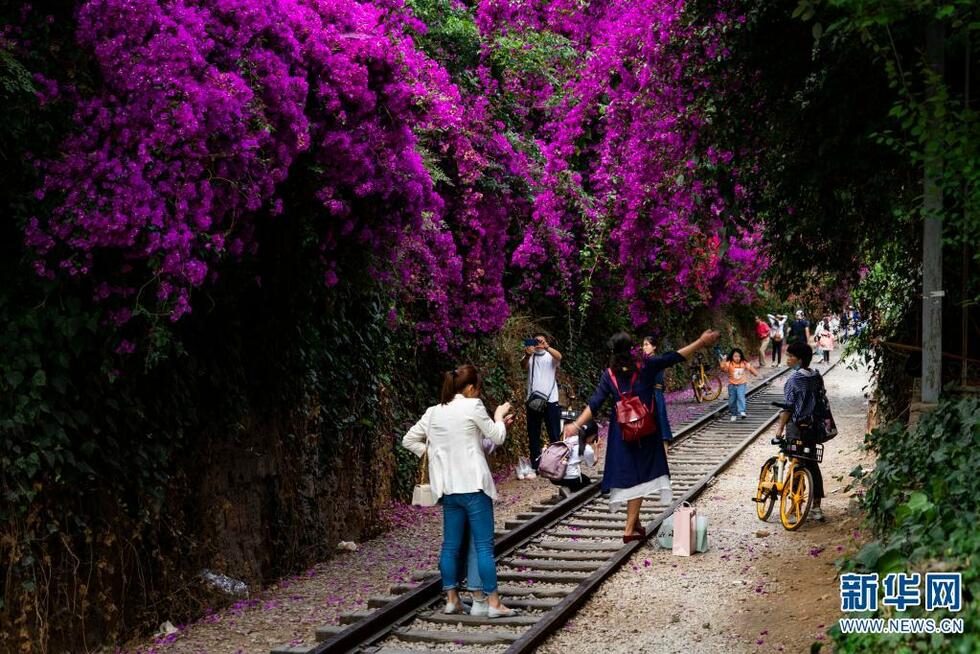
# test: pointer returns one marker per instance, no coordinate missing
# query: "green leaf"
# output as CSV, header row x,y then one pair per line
x,y
869,555
891,561
14,378
919,503
39,379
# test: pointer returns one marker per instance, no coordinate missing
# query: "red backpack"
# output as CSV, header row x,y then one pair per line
x,y
634,417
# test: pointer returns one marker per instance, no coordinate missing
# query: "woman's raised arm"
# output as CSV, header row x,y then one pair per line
x,y
708,338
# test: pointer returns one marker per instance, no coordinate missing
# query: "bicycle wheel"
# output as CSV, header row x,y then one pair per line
x,y
712,389
796,498
765,494
697,390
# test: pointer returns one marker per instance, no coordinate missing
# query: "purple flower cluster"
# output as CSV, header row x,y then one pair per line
x,y
205,107
203,110
629,168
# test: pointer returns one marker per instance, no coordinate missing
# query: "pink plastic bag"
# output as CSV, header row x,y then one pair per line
x,y
685,524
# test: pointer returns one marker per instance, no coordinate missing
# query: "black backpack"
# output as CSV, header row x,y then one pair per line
x,y
820,426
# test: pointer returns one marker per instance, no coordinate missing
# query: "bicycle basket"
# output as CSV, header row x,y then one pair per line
x,y
804,450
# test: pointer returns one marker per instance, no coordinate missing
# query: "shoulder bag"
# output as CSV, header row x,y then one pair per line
x,y
536,400
821,426
422,493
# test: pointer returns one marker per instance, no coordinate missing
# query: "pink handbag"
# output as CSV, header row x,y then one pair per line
x,y
685,525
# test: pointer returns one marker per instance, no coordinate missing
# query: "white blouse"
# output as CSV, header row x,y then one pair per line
x,y
453,434
573,466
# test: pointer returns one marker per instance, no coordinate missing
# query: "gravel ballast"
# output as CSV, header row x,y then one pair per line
x,y
290,610
759,588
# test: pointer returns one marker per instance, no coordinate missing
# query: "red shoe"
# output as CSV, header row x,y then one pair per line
x,y
632,537
642,531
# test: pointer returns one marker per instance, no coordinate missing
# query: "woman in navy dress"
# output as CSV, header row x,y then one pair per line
x,y
639,468
660,402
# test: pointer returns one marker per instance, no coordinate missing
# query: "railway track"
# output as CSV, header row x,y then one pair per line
x,y
549,561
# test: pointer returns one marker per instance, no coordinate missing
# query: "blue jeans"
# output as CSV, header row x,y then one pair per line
x,y
469,561
460,510
736,398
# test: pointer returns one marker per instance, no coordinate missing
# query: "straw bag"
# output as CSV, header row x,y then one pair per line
x,y
422,493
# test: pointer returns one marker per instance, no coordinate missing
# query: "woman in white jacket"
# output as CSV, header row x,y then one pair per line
x,y
451,433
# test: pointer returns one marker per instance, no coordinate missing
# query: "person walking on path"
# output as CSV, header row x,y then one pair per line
x,y
738,370
854,317
762,333
834,322
825,339
801,393
451,434
541,362
659,388
799,329
777,332
637,468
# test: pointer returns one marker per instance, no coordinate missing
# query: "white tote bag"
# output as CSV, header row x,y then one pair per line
x,y
422,493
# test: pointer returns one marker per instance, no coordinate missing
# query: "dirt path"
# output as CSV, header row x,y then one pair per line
x,y
759,588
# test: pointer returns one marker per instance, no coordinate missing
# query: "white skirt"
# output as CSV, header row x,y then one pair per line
x,y
619,496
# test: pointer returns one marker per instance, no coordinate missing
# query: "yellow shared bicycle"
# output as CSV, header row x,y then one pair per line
x,y
706,385
784,477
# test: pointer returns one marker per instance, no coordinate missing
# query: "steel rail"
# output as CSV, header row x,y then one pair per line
x,y
569,605
383,620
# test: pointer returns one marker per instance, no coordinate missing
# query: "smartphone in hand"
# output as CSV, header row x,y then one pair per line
x,y
530,342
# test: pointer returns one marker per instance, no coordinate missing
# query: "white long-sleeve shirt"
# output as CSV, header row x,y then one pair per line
x,y
453,434
777,325
573,467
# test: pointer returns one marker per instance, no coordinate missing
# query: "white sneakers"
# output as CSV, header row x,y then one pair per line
x,y
531,475
817,514
453,609
481,608
743,415
734,418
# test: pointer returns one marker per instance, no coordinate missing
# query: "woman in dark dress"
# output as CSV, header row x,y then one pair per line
x,y
659,400
634,469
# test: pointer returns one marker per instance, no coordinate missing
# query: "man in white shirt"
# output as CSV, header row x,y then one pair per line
x,y
541,362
